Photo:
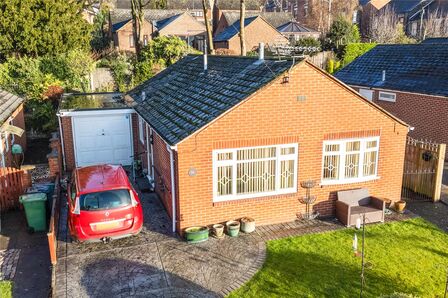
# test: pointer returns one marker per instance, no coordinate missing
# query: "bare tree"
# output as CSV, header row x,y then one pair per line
x,y
137,22
321,13
383,26
435,25
242,35
208,26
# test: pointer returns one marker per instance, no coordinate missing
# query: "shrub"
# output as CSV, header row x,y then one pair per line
x,y
354,50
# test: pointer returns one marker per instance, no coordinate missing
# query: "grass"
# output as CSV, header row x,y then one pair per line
x,y
5,289
407,257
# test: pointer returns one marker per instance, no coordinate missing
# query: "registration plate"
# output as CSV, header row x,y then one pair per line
x,y
107,225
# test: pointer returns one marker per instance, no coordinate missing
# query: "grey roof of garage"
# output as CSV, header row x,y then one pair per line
x,y
8,104
183,98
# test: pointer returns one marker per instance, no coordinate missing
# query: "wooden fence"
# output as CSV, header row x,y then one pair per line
x,y
321,59
423,170
11,188
54,222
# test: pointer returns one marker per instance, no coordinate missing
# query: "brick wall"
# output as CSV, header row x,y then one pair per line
x,y
18,119
274,115
121,37
427,114
256,32
67,137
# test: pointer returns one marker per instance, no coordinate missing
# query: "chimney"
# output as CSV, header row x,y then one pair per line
x,y
261,51
384,76
205,58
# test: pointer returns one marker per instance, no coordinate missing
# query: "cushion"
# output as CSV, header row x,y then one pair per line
x,y
363,209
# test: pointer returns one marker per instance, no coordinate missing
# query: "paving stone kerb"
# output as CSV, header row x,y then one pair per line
x,y
156,263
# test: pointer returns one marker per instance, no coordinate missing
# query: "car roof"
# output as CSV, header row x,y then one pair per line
x,y
100,177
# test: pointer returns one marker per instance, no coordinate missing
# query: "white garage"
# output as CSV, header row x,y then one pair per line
x,y
96,129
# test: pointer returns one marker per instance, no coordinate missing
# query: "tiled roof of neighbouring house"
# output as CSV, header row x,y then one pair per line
x,y
164,22
120,15
183,98
233,30
8,104
274,18
294,27
119,25
416,68
405,6
436,40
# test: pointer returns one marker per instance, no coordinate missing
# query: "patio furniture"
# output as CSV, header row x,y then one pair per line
x,y
352,204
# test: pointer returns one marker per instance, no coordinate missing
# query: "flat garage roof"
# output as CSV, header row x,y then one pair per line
x,y
91,101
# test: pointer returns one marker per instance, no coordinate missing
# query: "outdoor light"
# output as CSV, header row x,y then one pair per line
x,y
358,223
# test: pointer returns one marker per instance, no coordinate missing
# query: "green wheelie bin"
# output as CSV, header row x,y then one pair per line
x,y
34,205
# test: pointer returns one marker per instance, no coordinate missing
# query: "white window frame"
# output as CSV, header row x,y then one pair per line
x,y
141,134
387,99
366,93
342,155
233,162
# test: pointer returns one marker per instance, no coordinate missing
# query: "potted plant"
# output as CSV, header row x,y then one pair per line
x,y
233,228
247,224
400,205
196,234
218,230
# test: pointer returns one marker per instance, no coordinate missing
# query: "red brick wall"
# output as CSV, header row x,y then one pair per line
x,y
67,137
121,37
427,114
273,115
18,120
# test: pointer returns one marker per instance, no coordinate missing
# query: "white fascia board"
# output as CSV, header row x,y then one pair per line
x,y
96,112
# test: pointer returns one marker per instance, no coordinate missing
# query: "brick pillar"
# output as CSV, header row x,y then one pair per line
x,y
53,163
55,145
26,179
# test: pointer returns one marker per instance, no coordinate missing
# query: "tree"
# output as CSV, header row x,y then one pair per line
x,y
242,19
342,32
40,27
435,25
382,26
208,26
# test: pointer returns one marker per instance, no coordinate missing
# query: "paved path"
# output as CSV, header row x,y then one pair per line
x,y
157,263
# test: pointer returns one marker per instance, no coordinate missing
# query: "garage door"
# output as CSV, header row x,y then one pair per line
x,y
102,139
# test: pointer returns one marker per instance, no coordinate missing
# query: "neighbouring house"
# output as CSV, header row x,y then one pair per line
x,y
156,22
225,18
12,126
295,31
236,137
257,30
409,81
430,14
186,27
436,40
96,128
368,9
123,35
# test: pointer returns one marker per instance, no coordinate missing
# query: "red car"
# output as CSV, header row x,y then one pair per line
x,y
103,205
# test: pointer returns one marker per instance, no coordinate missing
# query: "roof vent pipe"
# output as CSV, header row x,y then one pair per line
x,y
384,75
205,58
261,51
143,95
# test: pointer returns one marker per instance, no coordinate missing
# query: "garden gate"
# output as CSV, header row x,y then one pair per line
x,y
423,170
11,188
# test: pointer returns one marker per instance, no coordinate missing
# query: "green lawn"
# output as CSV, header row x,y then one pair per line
x,y
406,257
5,289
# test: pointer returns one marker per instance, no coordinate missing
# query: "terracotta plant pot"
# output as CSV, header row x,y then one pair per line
x,y
399,206
218,230
247,224
196,234
233,228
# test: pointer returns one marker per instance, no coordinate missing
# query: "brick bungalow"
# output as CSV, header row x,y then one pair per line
x,y
257,30
236,138
12,121
123,38
409,81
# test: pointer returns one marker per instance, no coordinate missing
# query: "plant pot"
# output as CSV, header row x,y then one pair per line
x,y
233,228
399,206
218,230
196,234
247,224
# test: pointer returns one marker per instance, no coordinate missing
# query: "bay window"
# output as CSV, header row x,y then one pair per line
x,y
353,160
254,172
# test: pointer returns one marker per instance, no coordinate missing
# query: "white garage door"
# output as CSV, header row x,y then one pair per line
x,y
102,139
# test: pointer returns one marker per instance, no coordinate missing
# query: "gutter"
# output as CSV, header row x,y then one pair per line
x,y
62,141
173,188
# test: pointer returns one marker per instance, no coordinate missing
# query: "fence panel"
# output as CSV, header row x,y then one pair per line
x,y
11,188
54,220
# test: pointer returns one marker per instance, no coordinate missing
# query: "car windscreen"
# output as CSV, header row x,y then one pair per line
x,y
109,199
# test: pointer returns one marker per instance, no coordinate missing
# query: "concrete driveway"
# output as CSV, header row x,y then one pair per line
x,y
155,263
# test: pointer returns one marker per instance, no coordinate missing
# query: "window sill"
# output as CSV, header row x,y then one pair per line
x,y
254,197
351,181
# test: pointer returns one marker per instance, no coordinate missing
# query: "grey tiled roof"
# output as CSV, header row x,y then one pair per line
x,y
118,25
120,15
164,22
293,26
416,68
406,6
183,98
274,18
8,104
436,40
232,30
